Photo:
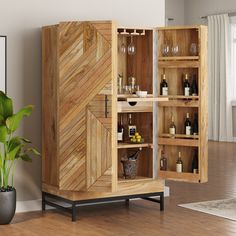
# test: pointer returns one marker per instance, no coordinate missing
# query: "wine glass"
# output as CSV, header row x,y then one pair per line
x,y
131,47
166,50
193,49
123,47
175,50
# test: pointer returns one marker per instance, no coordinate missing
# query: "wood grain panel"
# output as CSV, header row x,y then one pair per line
x,y
85,70
203,116
99,156
50,161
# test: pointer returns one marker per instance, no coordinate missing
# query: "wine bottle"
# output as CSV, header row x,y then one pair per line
x,y
131,127
163,161
164,86
187,125
179,164
194,87
172,128
195,162
195,124
134,156
120,130
186,85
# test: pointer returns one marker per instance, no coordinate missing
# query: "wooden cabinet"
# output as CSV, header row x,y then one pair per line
x,y
81,107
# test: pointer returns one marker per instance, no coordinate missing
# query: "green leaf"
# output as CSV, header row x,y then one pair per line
x,y
14,142
2,120
26,157
34,151
3,133
12,154
6,107
13,122
25,140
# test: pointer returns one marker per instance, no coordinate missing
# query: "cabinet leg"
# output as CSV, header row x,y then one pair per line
x,y
162,201
73,211
127,202
43,202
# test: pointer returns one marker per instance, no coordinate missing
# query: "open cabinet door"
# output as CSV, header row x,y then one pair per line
x,y
86,69
191,142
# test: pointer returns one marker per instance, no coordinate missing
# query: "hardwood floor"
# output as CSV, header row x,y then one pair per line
x,y
143,217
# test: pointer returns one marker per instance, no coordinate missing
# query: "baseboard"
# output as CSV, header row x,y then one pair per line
x,y
36,205
26,206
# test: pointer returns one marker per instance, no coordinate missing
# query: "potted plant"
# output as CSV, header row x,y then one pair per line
x,y
12,148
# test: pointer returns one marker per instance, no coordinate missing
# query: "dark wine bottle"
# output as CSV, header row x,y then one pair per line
x,y
195,124
194,87
179,164
195,162
163,161
120,130
187,125
186,85
164,86
172,128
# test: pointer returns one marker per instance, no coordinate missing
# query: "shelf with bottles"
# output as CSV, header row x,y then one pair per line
x,y
124,145
134,130
178,163
179,84
142,164
180,101
178,43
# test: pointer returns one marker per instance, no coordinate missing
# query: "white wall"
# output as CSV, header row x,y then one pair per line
x,y
175,9
21,22
194,9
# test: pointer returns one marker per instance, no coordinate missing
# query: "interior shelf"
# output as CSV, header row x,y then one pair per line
x,y
179,58
178,142
184,176
135,98
137,179
125,96
153,99
180,97
183,136
178,64
134,145
180,101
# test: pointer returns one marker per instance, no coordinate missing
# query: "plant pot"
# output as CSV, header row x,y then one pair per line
x,y
7,206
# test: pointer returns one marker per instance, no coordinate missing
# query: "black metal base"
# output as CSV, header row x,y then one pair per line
x,y
75,204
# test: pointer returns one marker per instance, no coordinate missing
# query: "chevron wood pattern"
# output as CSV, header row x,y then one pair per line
x,y
85,71
99,156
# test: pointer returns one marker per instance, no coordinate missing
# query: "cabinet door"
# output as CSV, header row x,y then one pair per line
x,y
192,64
85,59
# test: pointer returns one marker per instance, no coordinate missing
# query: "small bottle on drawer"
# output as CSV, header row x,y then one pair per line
x,y
163,161
131,127
164,86
179,164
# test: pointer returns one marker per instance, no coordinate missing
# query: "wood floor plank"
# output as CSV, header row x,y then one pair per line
x,y
142,217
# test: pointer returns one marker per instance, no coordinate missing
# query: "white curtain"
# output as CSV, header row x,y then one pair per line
x,y
220,95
